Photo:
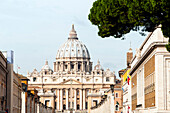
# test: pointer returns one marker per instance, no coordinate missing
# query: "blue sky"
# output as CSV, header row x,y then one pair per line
x,y
35,29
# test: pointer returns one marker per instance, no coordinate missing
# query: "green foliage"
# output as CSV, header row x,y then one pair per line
x,y
118,17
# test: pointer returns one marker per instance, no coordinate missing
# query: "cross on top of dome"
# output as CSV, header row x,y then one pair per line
x,y
73,34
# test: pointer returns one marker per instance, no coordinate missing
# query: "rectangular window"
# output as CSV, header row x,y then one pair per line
x,y
117,95
107,79
47,102
34,79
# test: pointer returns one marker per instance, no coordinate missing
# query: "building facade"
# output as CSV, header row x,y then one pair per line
x,y
66,86
108,100
17,90
3,84
150,73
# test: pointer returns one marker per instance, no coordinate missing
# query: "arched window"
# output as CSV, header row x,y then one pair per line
x,y
117,108
64,107
34,79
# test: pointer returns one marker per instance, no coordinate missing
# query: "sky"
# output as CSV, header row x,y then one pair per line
x,y
35,29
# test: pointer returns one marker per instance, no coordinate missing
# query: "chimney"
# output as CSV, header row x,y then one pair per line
x,y
129,57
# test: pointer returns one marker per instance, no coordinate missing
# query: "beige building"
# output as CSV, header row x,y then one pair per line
x,y
17,89
107,100
150,74
3,85
66,87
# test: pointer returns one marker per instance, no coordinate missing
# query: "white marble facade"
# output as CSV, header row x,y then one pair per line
x,y
68,84
153,79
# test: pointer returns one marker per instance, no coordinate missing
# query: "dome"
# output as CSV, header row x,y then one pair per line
x,y
73,47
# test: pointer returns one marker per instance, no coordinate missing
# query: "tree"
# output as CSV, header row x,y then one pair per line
x,y
118,17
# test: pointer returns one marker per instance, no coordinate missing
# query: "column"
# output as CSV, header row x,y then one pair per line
x,y
61,99
57,66
81,98
88,66
84,98
75,99
71,98
58,99
67,97
54,66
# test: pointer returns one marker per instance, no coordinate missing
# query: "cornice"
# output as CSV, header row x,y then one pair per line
x,y
151,47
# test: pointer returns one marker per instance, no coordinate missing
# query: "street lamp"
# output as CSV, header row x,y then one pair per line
x,y
112,88
24,87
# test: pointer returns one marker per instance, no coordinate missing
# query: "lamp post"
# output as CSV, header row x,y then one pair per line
x,y
24,87
112,88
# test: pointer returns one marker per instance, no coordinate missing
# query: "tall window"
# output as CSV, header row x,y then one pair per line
x,y
72,66
78,106
86,105
64,93
77,92
79,66
87,92
55,106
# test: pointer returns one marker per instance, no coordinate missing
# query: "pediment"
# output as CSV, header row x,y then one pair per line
x,y
71,81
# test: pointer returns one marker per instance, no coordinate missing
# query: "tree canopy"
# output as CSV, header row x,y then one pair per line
x,y
118,17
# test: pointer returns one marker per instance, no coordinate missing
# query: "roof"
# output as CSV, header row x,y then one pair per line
x,y
73,48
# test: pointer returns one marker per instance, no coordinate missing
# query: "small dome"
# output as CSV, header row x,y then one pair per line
x,y
73,47
98,66
46,66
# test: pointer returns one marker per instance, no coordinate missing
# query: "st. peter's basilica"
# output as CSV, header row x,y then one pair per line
x,y
73,77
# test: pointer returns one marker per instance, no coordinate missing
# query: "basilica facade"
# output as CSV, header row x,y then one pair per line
x,y
66,87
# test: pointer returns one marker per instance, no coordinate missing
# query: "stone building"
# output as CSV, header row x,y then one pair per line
x,y
3,84
17,90
66,86
108,100
150,73
126,83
